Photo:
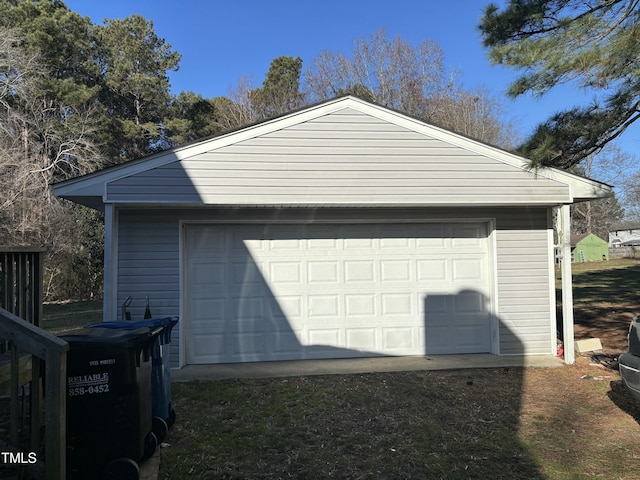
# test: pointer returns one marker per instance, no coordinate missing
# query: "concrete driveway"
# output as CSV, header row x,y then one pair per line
x,y
358,365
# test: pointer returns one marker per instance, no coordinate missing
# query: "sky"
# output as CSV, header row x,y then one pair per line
x,y
222,41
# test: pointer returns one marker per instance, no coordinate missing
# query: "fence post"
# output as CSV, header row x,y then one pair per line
x,y
56,423
13,399
36,403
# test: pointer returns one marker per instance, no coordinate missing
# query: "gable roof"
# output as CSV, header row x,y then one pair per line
x,y
343,152
575,239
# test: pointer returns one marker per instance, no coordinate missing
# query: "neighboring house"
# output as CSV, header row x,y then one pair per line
x,y
344,229
588,248
625,236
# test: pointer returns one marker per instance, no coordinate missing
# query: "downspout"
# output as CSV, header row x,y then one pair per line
x,y
564,238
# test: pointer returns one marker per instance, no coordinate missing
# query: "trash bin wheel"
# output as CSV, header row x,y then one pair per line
x,y
172,418
150,445
159,428
121,469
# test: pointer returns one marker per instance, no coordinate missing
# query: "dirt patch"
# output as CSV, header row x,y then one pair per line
x,y
608,322
605,301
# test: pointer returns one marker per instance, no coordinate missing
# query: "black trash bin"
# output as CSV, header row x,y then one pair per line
x,y
163,414
109,402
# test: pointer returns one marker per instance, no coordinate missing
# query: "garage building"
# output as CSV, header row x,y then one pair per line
x,y
341,230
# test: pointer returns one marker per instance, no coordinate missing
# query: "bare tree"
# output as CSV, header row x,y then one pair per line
x,y
42,140
236,109
598,216
631,196
411,79
39,144
397,74
475,114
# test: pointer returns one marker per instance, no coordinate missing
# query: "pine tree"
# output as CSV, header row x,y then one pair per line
x,y
594,44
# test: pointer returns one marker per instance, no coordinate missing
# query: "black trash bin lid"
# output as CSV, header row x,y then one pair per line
x,y
141,340
93,336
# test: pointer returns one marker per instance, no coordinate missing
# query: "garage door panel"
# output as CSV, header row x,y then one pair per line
x,y
247,347
245,273
427,245
467,302
361,339
207,245
396,270
360,305
285,345
438,342
314,291
211,315
208,274
285,245
432,270
437,304
358,241
397,304
284,272
325,336
469,338
324,306
323,272
245,309
287,308
210,348
359,271
469,269
457,323
398,340
393,244
321,245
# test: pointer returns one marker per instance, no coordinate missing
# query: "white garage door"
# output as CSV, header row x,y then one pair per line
x,y
282,292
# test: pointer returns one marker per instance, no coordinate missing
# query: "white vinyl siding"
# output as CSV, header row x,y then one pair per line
x,y
523,286
344,158
149,261
148,265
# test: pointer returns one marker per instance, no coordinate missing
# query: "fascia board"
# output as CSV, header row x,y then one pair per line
x,y
582,189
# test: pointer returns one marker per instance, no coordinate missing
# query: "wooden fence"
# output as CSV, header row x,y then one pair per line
x,y
31,345
30,355
21,282
624,252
